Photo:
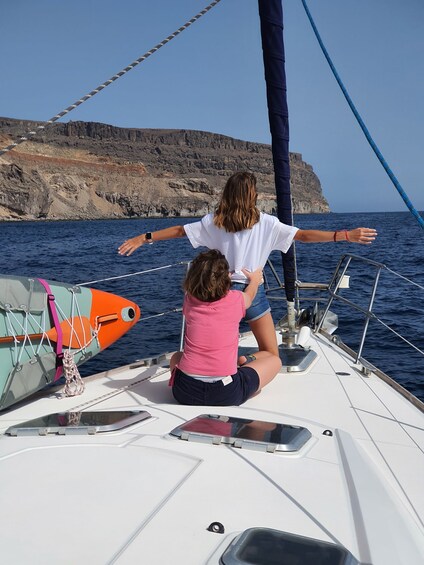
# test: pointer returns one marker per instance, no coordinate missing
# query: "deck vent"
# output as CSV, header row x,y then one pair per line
x,y
242,433
77,423
261,546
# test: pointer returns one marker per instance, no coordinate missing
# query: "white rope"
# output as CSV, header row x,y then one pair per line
x,y
74,385
404,278
398,335
99,399
74,299
134,274
173,311
110,81
73,418
16,327
74,304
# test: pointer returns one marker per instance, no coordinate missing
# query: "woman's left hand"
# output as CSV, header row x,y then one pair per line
x,y
365,236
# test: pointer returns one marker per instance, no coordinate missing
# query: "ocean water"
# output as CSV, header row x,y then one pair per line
x,y
83,251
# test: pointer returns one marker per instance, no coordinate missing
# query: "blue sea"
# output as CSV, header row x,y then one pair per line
x,y
83,251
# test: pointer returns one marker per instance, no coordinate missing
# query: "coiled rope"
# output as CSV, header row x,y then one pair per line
x,y
108,82
361,123
74,385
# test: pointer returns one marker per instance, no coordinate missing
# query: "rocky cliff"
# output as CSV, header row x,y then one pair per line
x,y
84,170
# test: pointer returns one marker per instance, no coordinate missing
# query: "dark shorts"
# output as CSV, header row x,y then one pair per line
x,y
187,390
260,305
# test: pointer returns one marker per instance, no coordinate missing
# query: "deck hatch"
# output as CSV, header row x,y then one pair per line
x,y
296,359
264,546
77,423
242,433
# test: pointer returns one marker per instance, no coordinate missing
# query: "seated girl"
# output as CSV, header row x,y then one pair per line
x,y
207,372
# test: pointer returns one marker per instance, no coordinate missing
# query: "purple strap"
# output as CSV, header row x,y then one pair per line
x,y
59,341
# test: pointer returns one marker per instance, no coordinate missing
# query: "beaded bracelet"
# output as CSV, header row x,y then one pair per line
x,y
337,231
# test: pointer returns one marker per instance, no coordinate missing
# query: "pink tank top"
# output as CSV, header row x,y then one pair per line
x,y
211,335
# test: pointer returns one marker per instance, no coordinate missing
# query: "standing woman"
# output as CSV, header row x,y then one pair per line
x,y
246,238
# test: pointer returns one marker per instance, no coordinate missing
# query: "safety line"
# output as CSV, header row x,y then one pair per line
x,y
404,278
110,81
367,134
173,311
399,335
134,274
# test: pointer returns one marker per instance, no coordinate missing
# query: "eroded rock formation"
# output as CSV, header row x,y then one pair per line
x,y
84,170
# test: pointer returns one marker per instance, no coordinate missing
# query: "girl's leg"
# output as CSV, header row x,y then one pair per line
x,y
264,331
266,365
243,360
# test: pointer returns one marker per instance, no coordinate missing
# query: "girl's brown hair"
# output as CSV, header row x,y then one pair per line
x,y
208,278
237,209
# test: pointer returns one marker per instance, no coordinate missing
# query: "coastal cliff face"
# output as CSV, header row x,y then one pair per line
x,y
84,170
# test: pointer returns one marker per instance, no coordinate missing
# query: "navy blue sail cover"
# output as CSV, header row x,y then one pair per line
x,y
271,18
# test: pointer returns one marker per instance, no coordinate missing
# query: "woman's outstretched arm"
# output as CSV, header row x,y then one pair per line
x,y
130,245
365,236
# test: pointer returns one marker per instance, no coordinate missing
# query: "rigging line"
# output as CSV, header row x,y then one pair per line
x,y
361,123
404,278
134,274
110,81
107,395
173,311
399,335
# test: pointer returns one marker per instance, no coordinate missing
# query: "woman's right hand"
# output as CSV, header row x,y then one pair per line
x,y
130,245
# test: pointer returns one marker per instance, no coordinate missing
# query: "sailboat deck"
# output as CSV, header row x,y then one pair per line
x,y
135,482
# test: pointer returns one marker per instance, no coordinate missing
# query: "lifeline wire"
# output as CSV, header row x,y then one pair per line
x,y
404,278
134,274
110,81
362,124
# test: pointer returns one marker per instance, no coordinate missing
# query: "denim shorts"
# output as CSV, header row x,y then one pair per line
x,y
260,305
187,390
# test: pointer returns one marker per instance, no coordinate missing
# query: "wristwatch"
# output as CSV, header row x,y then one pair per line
x,y
149,237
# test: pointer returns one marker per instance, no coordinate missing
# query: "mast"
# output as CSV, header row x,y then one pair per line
x,y
271,19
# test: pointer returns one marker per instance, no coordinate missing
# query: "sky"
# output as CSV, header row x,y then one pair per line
x,y
211,78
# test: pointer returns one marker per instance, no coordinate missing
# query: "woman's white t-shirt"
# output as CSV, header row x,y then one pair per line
x,y
248,249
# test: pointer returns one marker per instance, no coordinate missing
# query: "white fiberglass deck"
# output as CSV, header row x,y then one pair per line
x,y
140,495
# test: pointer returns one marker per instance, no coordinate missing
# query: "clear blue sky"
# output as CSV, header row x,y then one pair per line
x,y
211,78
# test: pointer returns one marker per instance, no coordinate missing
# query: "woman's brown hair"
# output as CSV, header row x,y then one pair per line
x,y
237,209
208,278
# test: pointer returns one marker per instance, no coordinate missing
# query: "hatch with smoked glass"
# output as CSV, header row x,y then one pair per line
x,y
243,433
65,423
264,546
